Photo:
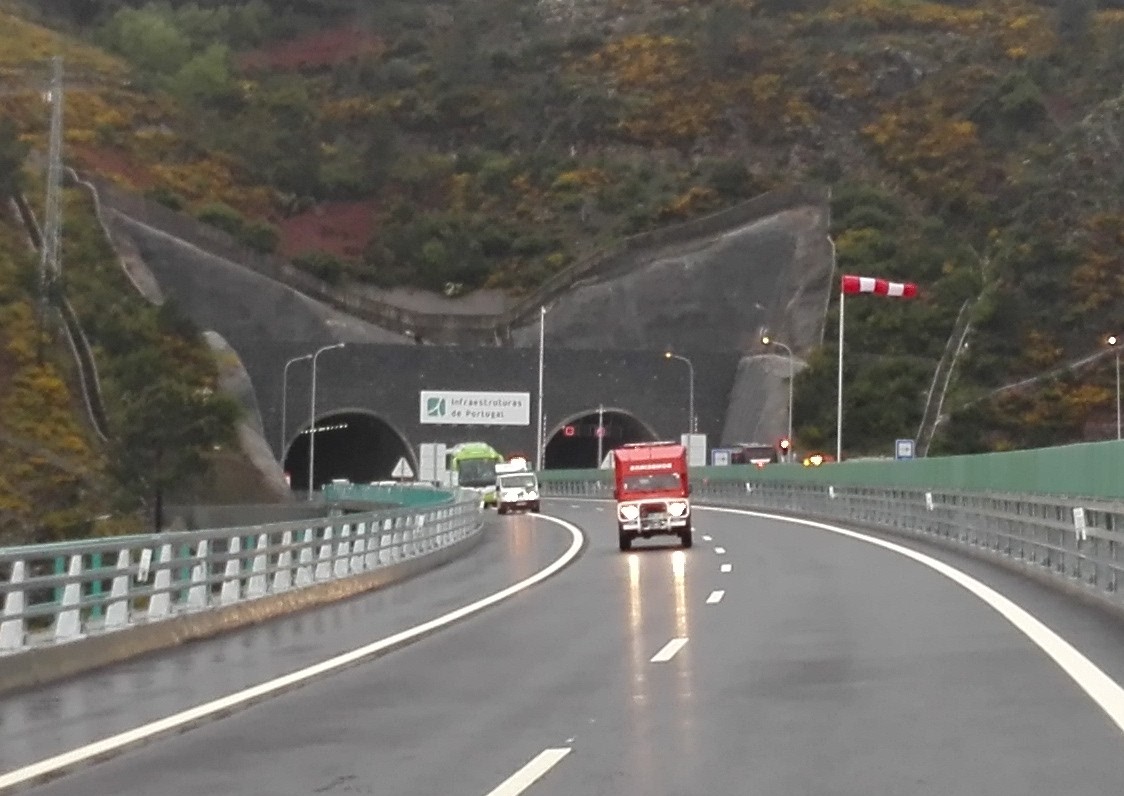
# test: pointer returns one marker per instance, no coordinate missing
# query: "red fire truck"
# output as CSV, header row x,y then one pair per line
x,y
651,490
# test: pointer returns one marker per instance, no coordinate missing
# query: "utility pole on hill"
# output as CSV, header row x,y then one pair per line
x,y
50,262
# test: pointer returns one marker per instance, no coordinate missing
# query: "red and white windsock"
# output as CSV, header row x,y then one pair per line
x,y
880,287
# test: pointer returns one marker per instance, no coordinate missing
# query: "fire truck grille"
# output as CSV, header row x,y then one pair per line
x,y
652,508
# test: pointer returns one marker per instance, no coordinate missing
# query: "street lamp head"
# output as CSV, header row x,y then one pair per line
x,y
667,355
765,340
1112,340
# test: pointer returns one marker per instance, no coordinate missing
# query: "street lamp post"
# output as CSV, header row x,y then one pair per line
x,y
791,377
691,393
285,402
539,433
1114,343
312,418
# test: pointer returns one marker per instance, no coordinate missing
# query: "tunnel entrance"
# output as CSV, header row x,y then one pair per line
x,y
573,444
358,446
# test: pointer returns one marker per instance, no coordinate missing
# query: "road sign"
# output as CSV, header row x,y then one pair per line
x,y
903,449
431,461
720,457
454,408
402,469
696,449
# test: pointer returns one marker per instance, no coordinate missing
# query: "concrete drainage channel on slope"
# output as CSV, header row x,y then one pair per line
x,y
75,606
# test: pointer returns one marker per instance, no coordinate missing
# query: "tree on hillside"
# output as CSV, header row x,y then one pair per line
x,y
166,429
166,420
13,151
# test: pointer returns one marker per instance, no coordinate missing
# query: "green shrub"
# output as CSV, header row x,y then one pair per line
x,y
223,216
261,236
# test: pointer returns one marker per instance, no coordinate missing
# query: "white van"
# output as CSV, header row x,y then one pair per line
x,y
516,490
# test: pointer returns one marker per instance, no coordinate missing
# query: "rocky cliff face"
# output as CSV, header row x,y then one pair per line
x,y
713,294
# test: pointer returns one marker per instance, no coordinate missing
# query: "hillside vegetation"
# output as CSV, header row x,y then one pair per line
x,y
158,380
973,147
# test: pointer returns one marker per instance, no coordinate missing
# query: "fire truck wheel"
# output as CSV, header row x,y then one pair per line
x,y
626,542
501,508
686,538
535,509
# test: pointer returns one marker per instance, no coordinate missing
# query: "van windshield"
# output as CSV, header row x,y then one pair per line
x,y
651,482
517,481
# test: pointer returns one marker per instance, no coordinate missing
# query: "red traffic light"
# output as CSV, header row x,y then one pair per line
x,y
568,431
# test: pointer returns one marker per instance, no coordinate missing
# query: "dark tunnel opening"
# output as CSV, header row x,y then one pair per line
x,y
573,445
353,445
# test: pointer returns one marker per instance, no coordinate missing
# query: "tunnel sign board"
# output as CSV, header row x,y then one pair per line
x,y
454,408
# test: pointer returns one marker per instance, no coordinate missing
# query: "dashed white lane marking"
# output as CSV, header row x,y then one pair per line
x,y
531,773
178,722
715,597
720,551
707,539
669,650
727,567
1101,688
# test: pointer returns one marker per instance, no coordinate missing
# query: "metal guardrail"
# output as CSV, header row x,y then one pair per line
x,y
1079,541
62,592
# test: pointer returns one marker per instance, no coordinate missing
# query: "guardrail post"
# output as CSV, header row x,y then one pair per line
x,y
161,603
373,538
343,553
117,615
261,560
324,562
232,583
11,629
304,571
282,578
386,542
358,547
68,625
197,595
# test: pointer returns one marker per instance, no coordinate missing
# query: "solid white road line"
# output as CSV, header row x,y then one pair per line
x,y
707,539
669,650
726,567
720,551
530,773
241,699
715,597
1101,688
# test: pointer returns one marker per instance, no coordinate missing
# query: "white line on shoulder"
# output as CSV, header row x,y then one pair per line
x,y
1101,688
240,699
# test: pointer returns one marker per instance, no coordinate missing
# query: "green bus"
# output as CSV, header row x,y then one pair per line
x,y
475,466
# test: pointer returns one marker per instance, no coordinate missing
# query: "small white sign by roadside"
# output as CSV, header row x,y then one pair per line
x,y
929,501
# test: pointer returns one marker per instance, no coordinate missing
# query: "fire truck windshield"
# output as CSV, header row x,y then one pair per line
x,y
651,482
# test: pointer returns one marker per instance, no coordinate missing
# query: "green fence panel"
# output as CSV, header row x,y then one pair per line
x,y
1091,470
395,494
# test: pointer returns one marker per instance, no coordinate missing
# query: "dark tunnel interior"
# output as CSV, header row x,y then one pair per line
x,y
574,445
352,445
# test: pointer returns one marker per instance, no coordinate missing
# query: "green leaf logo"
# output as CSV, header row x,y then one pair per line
x,y
434,407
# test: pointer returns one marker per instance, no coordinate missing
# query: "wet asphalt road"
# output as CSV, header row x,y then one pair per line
x,y
826,666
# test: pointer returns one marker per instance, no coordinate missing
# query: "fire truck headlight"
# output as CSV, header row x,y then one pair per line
x,y
677,509
629,512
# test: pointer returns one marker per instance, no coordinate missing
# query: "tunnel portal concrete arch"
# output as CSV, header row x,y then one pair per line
x,y
355,444
572,444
